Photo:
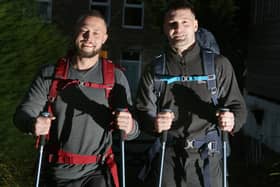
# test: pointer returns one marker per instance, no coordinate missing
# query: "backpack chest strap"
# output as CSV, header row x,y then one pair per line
x,y
171,79
73,82
61,73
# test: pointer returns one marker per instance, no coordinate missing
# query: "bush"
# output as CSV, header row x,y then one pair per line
x,y
26,43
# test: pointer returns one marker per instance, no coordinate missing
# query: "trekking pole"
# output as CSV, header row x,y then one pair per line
x,y
42,142
224,140
163,141
122,141
123,158
164,138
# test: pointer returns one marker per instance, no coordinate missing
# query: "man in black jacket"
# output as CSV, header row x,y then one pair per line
x,y
80,104
193,114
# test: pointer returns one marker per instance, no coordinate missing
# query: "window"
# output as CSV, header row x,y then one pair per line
x,y
104,6
133,14
45,9
131,61
271,9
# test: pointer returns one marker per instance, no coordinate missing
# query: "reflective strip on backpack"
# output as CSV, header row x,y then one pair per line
x,y
171,79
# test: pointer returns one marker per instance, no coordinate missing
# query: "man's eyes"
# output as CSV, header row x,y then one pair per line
x,y
86,30
174,24
96,32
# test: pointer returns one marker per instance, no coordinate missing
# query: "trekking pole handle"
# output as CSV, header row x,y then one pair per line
x,y
43,137
225,134
164,133
122,110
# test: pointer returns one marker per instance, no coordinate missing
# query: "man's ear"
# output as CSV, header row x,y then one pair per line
x,y
105,38
195,25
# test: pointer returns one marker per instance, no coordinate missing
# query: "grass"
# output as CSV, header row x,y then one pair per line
x,y
28,43
17,151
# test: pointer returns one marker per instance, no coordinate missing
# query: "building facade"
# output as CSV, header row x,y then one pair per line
x,y
263,78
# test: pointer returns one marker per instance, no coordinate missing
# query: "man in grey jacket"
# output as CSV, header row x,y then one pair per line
x,y
82,114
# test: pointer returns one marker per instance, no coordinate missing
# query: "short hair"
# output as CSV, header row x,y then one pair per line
x,y
179,4
91,13
79,22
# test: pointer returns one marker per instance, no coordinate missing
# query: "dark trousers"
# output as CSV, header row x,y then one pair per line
x,y
184,169
99,178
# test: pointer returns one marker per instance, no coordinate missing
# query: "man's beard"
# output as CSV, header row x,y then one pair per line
x,y
84,54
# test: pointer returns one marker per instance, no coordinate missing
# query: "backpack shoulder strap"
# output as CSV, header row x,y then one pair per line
x,y
108,71
61,71
209,69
